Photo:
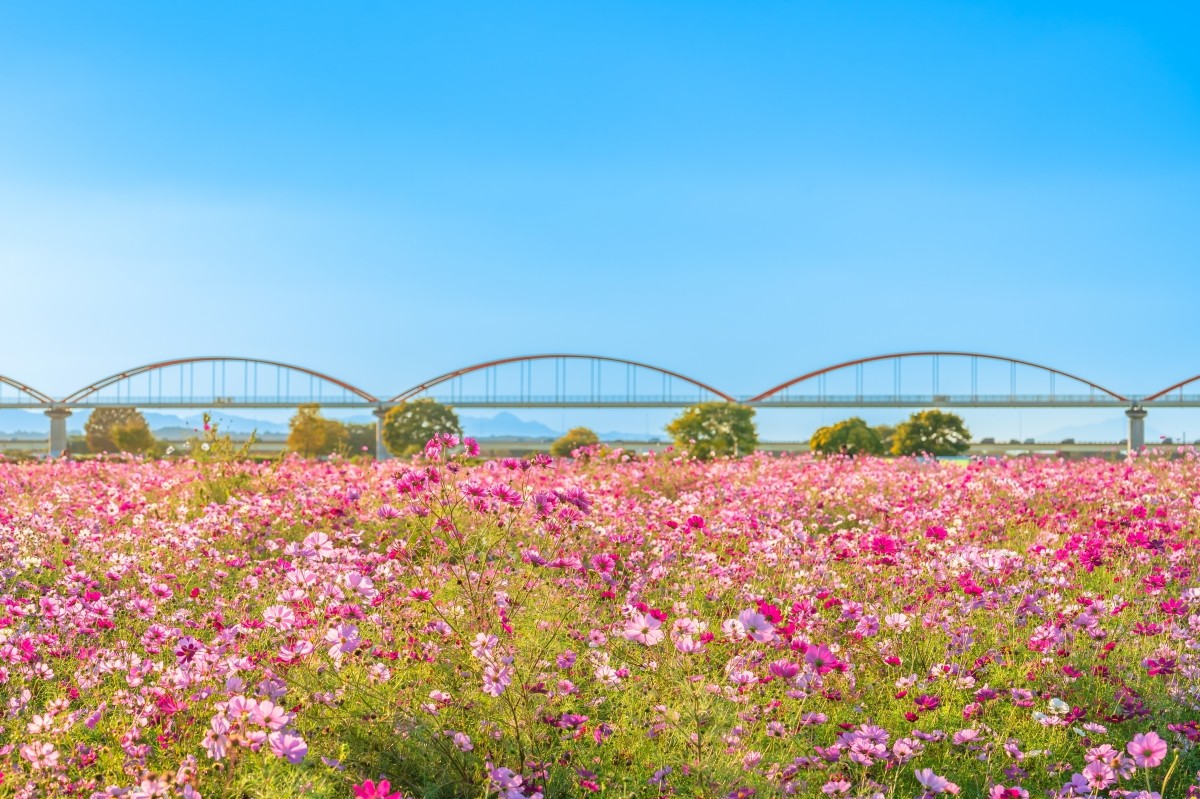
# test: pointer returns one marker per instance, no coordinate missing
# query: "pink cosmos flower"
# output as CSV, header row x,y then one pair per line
x,y
279,617
320,545
343,638
507,783
783,669
1098,776
40,756
268,714
820,658
496,679
756,626
645,629
935,784
288,746
1147,750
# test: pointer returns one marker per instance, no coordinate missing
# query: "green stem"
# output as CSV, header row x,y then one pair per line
x,y
1170,771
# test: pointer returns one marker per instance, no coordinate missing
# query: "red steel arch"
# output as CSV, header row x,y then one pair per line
x,y
412,392
33,392
111,379
1169,389
896,355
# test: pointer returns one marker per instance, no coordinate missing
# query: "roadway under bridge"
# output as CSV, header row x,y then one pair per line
x,y
929,379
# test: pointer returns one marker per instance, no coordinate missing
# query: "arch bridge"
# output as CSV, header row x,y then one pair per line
x,y
942,379
564,381
921,379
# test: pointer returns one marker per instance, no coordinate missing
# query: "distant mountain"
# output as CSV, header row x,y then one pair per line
x,y
507,425
504,425
20,421
13,421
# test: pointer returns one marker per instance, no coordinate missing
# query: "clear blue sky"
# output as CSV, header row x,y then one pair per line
x,y
738,191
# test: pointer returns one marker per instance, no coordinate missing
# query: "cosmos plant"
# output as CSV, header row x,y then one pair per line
x,y
626,625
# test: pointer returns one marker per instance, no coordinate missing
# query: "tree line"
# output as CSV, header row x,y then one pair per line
x,y
705,430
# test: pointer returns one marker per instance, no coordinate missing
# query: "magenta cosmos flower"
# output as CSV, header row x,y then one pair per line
x,y
1147,750
369,789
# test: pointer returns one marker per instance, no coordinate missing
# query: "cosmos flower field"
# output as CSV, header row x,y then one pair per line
x,y
618,625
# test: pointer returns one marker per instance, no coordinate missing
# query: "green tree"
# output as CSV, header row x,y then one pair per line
x,y
715,428
932,432
850,436
887,434
98,429
572,440
409,425
312,435
134,436
337,437
360,439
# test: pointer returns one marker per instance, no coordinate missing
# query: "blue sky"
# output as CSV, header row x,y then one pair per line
x,y
740,192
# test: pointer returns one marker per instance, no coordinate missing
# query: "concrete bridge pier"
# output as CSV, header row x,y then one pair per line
x,y
58,431
381,452
1137,428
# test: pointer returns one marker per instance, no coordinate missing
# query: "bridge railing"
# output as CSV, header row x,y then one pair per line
x,y
518,400
934,400
215,401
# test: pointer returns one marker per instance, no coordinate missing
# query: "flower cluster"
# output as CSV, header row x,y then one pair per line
x,y
641,625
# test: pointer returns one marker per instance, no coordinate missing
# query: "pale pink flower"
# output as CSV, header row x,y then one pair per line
x,y
40,756
343,638
1098,776
933,783
645,629
1147,750
268,714
756,626
288,746
279,617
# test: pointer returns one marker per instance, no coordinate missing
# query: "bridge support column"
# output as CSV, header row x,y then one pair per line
x,y
1137,428
58,431
381,452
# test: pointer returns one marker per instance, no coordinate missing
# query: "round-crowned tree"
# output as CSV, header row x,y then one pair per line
x,y
311,434
711,429
931,432
408,426
103,422
850,437
134,437
572,440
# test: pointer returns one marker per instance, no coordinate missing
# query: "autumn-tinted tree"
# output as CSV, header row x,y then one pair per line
x,y
715,428
408,426
572,440
312,435
99,427
133,436
850,436
932,433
